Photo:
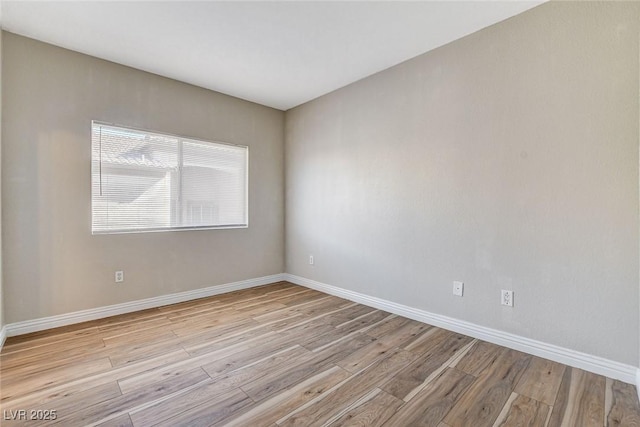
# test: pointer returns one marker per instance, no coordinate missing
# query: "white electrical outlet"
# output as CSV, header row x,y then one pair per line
x,y
119,276
310,259
507,298
458,288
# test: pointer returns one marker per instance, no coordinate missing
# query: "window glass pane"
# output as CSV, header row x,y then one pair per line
x,y
213,178
147,181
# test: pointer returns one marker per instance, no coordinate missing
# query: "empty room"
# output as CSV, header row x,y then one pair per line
x,y
290,213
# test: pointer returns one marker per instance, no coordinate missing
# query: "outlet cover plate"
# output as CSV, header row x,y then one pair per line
x,y
507,298
458,288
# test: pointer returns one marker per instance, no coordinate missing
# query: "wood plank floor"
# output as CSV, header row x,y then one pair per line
x,y
283,355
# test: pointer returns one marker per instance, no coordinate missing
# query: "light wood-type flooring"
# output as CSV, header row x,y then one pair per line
x,y
284,355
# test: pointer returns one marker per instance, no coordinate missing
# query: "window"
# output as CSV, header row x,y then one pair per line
x,y
147,181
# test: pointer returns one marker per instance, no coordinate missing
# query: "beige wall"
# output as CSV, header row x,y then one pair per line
x,y
507,159
2,322
52,263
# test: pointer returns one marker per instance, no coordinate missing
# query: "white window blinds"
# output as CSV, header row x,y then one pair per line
x,y
146,181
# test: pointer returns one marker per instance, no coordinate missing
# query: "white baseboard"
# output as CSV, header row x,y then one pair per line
x,y
598,365
638,382
35,325
3,335
627,373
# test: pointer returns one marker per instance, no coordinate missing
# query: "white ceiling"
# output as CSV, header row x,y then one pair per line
x,y
279,54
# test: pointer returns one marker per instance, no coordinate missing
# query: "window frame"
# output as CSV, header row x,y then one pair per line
x,y
181,139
